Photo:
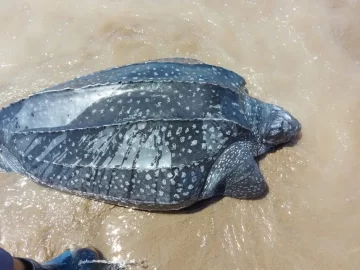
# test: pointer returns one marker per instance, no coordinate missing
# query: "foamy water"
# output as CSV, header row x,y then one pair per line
x,y
301,55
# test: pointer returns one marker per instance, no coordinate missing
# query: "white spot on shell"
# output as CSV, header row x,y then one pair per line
x,y
194,142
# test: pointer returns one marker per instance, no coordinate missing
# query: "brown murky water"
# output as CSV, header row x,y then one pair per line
x,y
301,55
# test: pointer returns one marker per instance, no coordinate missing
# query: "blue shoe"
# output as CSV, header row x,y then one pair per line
x,y
6,260
72,260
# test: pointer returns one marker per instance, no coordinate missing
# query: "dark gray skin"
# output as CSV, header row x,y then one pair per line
x,y
159,135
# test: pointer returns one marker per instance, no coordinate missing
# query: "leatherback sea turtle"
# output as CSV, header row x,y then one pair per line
x,y
158,135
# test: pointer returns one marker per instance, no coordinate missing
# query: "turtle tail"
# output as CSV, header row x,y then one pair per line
x,y
8,163
4,167
5,160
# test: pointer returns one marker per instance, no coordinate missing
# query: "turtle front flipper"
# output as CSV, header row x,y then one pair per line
x,y
235,174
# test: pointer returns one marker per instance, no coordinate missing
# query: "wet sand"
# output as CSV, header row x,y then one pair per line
x,y
301,55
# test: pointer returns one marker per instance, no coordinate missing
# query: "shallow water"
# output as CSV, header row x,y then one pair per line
x,y
301,55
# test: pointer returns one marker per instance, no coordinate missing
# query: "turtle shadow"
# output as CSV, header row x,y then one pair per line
x,y
201,205
196,207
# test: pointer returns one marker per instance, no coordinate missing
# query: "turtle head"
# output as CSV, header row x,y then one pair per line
x,y
281,127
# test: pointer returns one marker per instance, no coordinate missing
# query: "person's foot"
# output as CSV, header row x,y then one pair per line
x,y
73,260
